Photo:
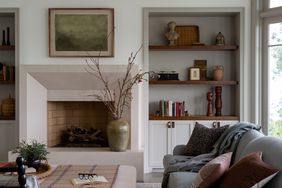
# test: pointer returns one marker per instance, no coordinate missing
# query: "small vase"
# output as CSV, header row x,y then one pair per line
x,y
218,73
118,135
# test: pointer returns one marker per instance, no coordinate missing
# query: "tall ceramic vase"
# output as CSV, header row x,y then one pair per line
x,y
118,135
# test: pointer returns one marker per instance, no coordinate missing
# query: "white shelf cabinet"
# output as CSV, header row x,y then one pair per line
x,y
165,135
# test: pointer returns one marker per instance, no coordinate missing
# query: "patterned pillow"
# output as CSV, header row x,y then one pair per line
x,y
212,171
250,171
203,139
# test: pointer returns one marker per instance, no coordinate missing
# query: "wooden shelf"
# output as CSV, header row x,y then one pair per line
x,y
7,118
194,118
7,47
194,48
193,82
6,82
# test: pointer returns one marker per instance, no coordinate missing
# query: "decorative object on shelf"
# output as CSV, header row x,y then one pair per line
x,y
3,38
220,39
8,36
189,35
168,75
81,32
116,95
218,101
209,106
194,73
202,65
218,73
32,153
153,76
172,35
8,107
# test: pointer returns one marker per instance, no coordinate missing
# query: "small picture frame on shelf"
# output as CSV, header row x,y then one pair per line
x,y
194,73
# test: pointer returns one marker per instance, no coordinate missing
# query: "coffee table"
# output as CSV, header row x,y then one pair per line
x,y
122,176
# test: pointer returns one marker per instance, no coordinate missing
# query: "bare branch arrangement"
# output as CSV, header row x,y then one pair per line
x,y
118,97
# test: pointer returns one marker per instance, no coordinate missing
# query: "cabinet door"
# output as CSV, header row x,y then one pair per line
x,y
180,133
158,142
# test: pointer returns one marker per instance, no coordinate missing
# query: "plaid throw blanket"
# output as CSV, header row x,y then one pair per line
x,y
61,177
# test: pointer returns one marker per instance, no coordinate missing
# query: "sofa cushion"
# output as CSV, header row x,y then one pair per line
x,y
212,171
247,172
271,148
203,139
244,141
181,179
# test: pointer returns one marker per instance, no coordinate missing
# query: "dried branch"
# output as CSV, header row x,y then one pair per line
x,y
120,96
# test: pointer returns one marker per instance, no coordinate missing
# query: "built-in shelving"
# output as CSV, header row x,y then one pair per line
x,y
6,82
12,47
7,118
193,82
152,117
194,48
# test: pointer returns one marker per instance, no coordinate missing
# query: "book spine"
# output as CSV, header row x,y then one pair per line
x,y
4,72
163,109
169,108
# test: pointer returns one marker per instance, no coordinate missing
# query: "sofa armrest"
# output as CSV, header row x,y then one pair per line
x,y
179,150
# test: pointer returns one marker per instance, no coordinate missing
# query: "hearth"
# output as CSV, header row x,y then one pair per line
x,y
77,124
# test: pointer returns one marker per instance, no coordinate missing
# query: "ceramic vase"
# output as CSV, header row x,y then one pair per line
x,y
218,73
118,135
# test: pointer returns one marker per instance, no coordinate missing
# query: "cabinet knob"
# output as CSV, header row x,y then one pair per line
x,y
168,124
173,124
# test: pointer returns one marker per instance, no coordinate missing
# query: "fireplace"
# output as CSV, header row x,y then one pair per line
x,y
77,124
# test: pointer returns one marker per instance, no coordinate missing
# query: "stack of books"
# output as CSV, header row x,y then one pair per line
x,y
172,108
7,73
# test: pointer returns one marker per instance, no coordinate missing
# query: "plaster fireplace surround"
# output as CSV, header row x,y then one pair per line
x,y
47,88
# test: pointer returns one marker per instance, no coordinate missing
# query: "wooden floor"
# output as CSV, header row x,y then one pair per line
x,y
153,177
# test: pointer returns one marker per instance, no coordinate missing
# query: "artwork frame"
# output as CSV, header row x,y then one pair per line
x,y
72,29
194,73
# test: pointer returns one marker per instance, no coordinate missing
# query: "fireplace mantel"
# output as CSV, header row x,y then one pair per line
x,y
42,83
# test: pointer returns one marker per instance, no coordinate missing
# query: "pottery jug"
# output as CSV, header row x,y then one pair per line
x,y
218,73
118,135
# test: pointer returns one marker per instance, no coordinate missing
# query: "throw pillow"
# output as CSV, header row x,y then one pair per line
x,y
212,171
202,139
247,172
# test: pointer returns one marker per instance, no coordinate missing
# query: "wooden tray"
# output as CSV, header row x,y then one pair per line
x,y
44,171
188,34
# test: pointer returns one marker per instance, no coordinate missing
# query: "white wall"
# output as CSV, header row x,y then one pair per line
x,y
33,28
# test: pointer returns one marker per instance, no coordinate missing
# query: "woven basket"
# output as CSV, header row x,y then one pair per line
x,y
188,34
8,107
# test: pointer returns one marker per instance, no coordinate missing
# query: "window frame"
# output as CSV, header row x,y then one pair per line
x,y
267,16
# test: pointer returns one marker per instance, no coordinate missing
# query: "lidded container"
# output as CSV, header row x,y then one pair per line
x,y
8,107
218,73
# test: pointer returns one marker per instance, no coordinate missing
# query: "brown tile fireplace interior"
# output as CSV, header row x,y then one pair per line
x,y
77,124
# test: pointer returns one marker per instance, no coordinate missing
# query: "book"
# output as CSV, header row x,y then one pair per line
x,y
95,180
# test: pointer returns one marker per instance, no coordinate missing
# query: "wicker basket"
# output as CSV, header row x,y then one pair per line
x,y
8,107
188,34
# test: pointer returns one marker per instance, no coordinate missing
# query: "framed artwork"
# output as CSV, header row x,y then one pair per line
x,y
194,73
81,32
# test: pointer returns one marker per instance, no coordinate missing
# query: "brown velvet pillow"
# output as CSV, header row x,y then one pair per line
x,y
247,172
203,139
212,171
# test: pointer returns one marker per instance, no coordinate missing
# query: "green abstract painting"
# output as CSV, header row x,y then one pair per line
x,y
81,32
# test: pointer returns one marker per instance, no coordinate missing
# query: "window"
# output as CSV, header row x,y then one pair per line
x,y
271,67
275,3
274,62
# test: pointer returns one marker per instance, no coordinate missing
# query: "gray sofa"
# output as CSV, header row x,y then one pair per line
x,y
251,141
